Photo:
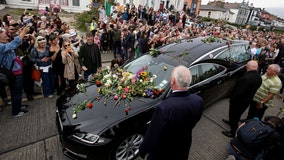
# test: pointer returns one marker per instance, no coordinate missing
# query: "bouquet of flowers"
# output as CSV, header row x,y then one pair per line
x,y
155,52
211,39
120,86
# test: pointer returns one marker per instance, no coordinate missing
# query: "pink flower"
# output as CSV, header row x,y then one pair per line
x,y
126,90
115,97
133,81
123,96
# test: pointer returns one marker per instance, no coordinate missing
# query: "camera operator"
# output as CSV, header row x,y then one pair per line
x,y
24,52
10,60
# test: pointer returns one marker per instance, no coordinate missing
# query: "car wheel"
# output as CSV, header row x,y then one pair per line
x,y
128,147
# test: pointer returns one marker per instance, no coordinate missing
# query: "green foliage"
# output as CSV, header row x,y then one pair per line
x,y
83,19
206,19
279,30
236,25
16,13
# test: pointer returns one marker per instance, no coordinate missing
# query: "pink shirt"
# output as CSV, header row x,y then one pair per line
x,y
97,41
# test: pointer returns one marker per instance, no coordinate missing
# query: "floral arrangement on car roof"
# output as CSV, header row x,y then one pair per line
x,y
120,86
155,52
211,39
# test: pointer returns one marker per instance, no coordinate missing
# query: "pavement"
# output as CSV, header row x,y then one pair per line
x,y
34,136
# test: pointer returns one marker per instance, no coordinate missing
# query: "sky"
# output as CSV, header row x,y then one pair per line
x,y
275,7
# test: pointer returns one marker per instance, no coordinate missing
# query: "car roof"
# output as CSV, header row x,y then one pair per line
x,y
195,48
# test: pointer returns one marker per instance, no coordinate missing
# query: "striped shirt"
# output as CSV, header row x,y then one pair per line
x,y
269,85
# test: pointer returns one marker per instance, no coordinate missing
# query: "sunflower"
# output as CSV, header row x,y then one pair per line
x,y
143,74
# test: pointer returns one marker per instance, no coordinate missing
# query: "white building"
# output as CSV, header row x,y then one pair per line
x,y
67,5
156,4
83,5
215,12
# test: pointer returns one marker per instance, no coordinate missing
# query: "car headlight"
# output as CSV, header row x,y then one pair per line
x,y
90,138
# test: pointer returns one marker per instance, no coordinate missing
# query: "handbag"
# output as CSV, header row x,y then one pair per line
x,y
6,75
35,74
36,71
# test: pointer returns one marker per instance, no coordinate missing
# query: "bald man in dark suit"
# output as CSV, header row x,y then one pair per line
x,y
169,135
241,96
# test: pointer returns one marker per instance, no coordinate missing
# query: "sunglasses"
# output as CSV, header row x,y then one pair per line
x,y
12,29
66,45
41,39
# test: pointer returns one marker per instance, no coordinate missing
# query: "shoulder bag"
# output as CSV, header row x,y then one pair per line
x,y
6,75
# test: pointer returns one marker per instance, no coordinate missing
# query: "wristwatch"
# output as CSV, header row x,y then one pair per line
x,y
261,102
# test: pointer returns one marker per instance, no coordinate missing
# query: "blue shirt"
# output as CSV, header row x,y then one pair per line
x,y
36,57
8,55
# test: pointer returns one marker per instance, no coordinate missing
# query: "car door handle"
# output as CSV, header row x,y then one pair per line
x,y
198,92
219,82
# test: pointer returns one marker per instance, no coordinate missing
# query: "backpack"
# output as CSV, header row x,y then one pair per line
x,y
253,133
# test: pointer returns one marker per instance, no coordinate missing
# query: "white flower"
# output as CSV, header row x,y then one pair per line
x,y
107,84
107,76
131,76
109,81
114,76
74,115
78,86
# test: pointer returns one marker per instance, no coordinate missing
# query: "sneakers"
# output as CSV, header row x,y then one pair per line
x,y
50,96
21,113
30,97
231,157
24,106
7,101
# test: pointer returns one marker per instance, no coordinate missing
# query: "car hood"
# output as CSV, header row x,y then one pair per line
x,y
101,115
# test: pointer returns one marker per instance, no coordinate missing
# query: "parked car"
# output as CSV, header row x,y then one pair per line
x,y
106,132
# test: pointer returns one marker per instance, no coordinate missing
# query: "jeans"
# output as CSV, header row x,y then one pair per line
x,y
16,89
127,54
48,81
116,48
3,93
234,153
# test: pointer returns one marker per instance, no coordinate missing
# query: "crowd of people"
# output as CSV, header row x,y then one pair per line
x,y
47,44
53,47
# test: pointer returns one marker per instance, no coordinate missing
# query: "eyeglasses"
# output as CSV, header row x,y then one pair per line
x,y
12,29
41,39
66,45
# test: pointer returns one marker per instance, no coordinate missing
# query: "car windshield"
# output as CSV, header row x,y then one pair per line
x,y
161,70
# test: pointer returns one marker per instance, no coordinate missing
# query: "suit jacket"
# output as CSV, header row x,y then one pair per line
x,y
245,88
169,135
128,41
86,60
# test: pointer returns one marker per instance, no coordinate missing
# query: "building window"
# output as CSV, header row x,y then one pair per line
x,y
146,4
130,2
76,3
153,3
64,2
178,5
